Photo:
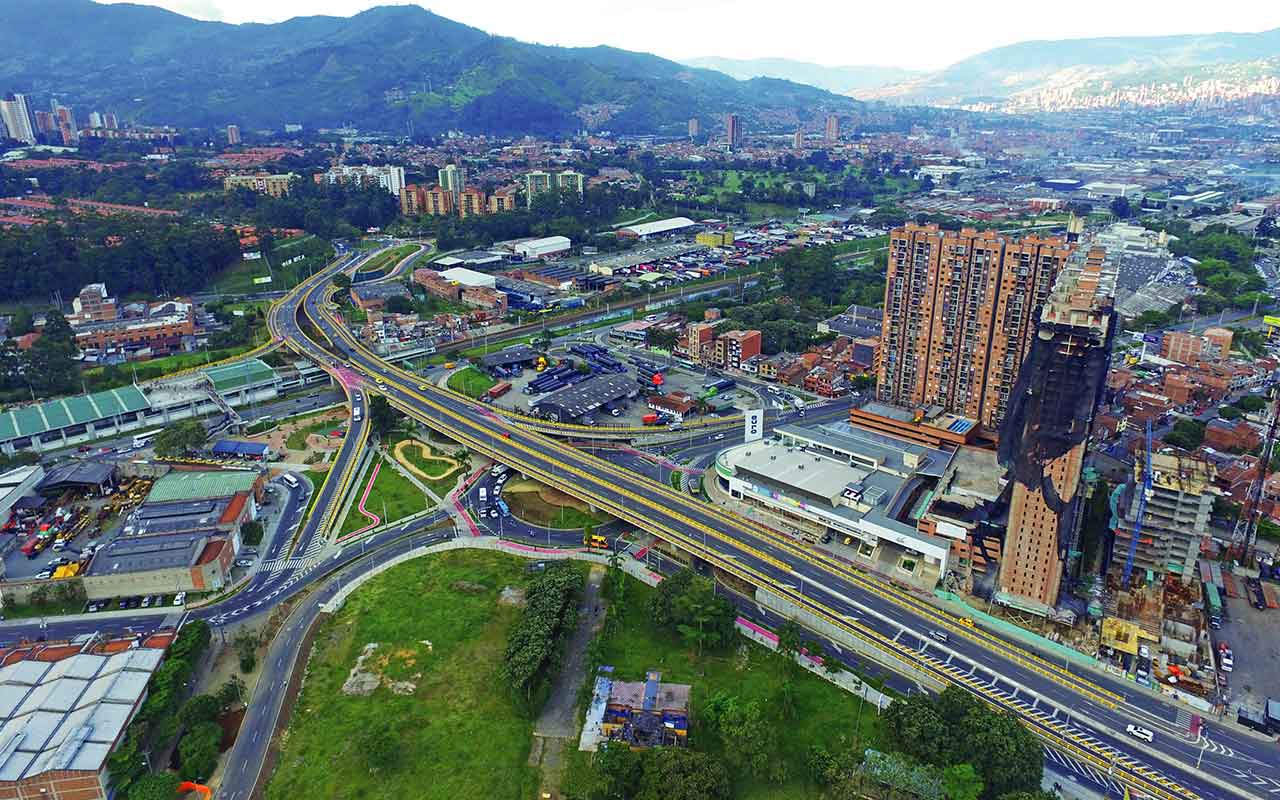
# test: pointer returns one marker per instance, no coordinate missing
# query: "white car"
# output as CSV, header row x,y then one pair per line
x,y
1141,733
180,598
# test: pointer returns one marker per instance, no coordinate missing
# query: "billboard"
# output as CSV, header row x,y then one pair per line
x,y
754,422
262,279
1271,322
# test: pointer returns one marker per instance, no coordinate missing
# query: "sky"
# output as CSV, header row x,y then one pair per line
x,y
831,32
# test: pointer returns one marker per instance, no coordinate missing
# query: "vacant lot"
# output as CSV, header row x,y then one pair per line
x,y
453,734
471,382
539,504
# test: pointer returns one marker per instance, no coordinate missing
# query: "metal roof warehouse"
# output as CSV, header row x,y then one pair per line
x,y
575,401
115,406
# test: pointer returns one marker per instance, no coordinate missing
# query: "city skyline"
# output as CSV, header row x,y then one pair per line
x,y
675,30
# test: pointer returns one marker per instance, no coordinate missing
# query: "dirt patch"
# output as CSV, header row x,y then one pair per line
x,y
467,587
512,596
360,681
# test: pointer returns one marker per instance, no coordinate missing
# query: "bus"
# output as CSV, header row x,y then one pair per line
x,y
1213,606
144,439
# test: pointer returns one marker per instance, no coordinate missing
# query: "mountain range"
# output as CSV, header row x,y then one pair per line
x,y
381,69
1137,71
841,80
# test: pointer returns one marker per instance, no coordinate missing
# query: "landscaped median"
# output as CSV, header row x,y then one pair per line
x,y
382,496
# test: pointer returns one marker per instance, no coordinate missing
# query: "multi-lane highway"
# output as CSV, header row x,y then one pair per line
x,y
1076,712
1080,714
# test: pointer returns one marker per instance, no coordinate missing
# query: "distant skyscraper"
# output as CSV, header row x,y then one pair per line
x,y
18,122
233,134
959,312
797,140
453,179
695,128
95,119
833,128
1046,432
45,123
732,132
109,121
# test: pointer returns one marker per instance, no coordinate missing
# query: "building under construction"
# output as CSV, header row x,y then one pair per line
x,y
1175,520
1044,435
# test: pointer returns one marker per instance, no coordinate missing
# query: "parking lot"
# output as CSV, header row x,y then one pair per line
x,y
631,412
1254,639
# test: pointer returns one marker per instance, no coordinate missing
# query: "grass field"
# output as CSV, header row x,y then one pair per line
x,y
385,261
457,735
527,504
441,486
298,439
471,382
823,713
393,497
317,481
238,278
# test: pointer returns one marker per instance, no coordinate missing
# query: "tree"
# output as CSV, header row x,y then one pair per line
x,y
126,763
157,786
246,644
790,639
198,750
341,280
749,739
398,305
1187,434
181,439
687,602
231,692
200,708
251,532
382,417
20,322
1120,208
677,773
618,771
1230,412
961,782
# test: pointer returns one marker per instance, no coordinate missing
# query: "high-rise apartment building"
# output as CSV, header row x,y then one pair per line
x,y
413,200
45,123
1045,434
732,132
387,176
833,128
233,134
95,119
535,183
797,140
109,121
569,179
503,199
438,201
453,179
277,185
16,114
66,121
695,128
959,317
471,202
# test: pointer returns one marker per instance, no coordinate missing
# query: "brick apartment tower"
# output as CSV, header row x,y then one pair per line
x,y
1046,431
958,321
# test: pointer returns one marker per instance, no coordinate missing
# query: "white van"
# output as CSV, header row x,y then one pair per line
x,y
289,481
484,495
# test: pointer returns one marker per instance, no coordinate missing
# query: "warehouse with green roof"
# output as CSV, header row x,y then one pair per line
x,y
70,421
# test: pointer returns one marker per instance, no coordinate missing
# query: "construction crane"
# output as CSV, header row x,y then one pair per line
x,y
1245,534
1143,493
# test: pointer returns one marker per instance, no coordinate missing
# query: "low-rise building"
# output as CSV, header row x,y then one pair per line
x,y
373,296
734,347
277,185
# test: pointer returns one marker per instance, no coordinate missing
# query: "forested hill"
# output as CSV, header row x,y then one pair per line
x,y
379,69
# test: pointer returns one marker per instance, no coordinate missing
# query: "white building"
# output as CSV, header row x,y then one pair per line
x,y
662,227
16,115
388,176
1100,190
468,277
541,248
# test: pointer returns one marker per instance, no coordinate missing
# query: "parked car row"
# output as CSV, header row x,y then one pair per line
x,y
135,601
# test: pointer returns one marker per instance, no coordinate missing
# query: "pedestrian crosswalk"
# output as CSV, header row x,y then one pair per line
x,y
1087,771
309,557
